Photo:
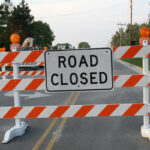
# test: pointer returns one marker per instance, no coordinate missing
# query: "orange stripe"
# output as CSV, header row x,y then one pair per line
x,y
33,73
59,111
12,112
82,112
3,73
132,51
41,64
2,65
133,80
33,56
115,48
34,84
108,110
36,111
41,73
10,57
26,73
148,55
10,73
10,64
11,85
148,114
115,78
133,109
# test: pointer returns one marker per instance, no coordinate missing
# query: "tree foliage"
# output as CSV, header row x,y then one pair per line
x,y
115,41
19,20
84,45
42,34
5,11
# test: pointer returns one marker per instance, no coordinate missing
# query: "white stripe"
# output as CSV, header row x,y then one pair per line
x,y
3,111
121,109
120,51
143,82
143,52
30,72
47,111
7,73
42,86
97,109
3,83
121,80
40,58
24,112
72,110
22,72
143,111
23,84
21,57
2,55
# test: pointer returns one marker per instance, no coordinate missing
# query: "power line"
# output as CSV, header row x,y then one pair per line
x,y
120,30
81,12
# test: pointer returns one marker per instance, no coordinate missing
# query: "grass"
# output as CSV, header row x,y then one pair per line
x,y
136,61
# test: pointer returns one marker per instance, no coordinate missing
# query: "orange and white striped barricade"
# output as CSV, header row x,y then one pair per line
x,y
32,84
38,56
20,126
23,73
135,52
103,110
122,81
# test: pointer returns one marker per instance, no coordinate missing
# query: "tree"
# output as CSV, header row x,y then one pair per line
x,y
17,19
42,34
84,45
115,41
5,11
20,20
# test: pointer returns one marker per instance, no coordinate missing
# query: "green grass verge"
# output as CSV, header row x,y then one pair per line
x,y
136,61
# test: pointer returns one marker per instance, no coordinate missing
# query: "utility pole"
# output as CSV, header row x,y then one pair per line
x,y
120,30
131,23
149,16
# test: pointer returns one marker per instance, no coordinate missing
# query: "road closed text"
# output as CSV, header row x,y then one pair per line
x,y
78,78
78,70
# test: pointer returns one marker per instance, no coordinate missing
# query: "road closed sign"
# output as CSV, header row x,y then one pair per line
x,y
78,70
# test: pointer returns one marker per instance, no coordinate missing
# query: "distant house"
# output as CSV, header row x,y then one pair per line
x,y
63,46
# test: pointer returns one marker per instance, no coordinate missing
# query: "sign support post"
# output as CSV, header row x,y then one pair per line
x,y
20,127
145,129
3,70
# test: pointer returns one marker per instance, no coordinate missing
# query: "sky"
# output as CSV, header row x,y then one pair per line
x,y
93,21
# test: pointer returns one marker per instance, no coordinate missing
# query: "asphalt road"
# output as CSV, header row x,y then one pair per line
x,y
113,133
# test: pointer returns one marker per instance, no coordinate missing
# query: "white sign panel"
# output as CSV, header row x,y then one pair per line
x,y
78,70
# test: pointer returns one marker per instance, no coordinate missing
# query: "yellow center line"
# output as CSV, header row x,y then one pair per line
x,y
43,137
61,125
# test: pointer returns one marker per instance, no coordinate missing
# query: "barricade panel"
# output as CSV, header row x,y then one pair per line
x,y
39,84
38,56
102,110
